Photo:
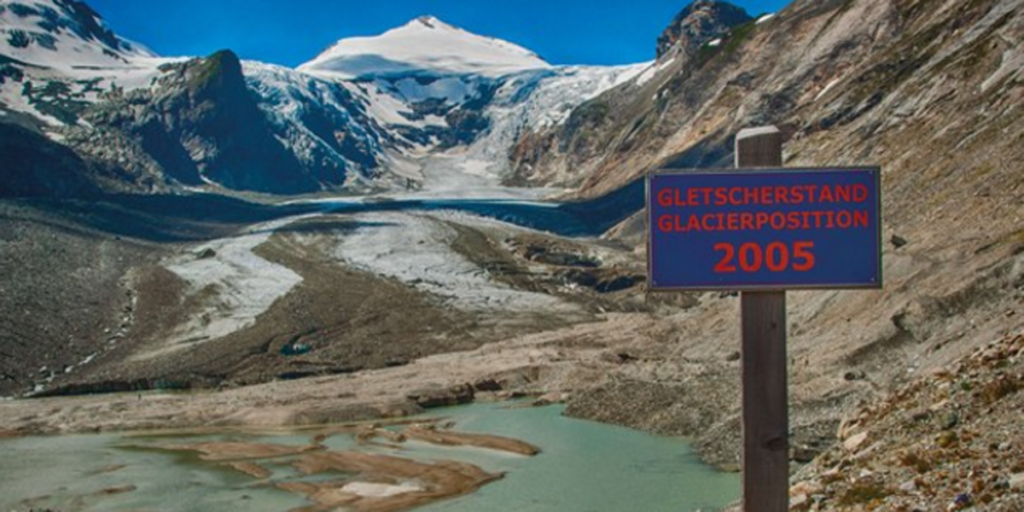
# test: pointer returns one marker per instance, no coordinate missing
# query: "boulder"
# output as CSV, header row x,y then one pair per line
x,y
855,441
442,397
1017,482
487,385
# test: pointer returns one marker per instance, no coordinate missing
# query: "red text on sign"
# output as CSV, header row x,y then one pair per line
x,y
776,257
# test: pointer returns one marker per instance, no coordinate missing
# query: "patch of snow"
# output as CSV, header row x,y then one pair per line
x,y
11,97
474,167
415,248
653,71
434,120
828,87
383,107
59,46
715,42
141,73
375,490
536,100
241,285
286,96
765,18
424,44
465,174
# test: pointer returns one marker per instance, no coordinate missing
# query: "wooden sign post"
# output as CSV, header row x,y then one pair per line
x,y
763,229
763,356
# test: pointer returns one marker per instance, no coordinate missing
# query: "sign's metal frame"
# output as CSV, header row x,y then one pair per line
x,y
874,169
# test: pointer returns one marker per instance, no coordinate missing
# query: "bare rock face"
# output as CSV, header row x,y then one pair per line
x,y
37,166
700,23
201,123
863,81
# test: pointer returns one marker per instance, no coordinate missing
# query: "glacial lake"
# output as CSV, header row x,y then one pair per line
x,y
584,466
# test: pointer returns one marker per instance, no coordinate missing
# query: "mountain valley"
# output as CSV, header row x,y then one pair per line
x,y
430,217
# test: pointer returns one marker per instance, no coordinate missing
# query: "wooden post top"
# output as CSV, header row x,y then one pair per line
x,y
759,147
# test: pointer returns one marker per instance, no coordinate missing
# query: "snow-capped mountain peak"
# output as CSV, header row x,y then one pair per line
x,y
363,113
62,34
433,23
425,45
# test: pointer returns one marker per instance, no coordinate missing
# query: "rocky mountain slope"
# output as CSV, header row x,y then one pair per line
x,y
847,81
930,90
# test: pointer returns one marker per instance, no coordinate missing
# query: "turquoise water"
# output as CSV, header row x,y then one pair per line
x,y
64,473
584,467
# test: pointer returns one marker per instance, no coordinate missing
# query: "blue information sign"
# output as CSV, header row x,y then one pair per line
x,y
768,229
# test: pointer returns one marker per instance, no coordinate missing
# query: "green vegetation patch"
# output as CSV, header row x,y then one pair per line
x,y
209,70
864,491
730,43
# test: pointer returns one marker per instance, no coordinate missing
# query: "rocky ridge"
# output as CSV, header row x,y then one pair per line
x,y
698,24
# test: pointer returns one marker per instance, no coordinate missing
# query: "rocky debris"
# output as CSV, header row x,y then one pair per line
x,y
855,441
487,384
701,405
580,277
553,397
618,283
854,375
898,241
607,280
803,453
44,168
550,252
951,439
65,290
442,396
561,259
1016,482
206,253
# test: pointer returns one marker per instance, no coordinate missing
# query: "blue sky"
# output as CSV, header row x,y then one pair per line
x,y
292,32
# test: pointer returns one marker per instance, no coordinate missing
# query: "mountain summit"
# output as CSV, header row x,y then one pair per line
x,y
61,34
700,22
425,45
